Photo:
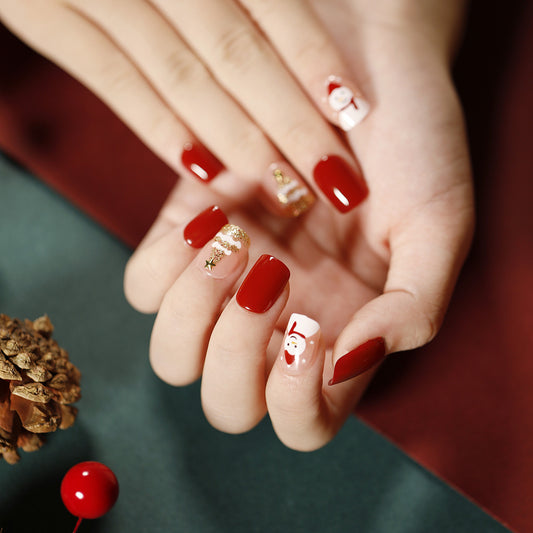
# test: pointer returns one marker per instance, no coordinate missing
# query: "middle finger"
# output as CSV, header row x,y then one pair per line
x,y
248,68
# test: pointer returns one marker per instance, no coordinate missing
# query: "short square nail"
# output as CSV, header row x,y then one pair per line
x,y
225,253
263,285
344,187
300,343
200,162
202,228
292,194
350,108
363,358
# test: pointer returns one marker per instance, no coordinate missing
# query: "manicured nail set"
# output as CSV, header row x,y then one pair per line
x,y
222,246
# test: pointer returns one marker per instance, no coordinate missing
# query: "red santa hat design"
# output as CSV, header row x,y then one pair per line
x,y
293,331
332,86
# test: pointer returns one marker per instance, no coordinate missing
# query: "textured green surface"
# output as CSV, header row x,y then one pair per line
x,y
176,473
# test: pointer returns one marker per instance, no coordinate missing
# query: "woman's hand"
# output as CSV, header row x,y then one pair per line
x,y
376,281
245,85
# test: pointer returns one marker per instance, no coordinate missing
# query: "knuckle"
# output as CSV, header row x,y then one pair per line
x,y
238,49
312,52
228,420
115,78
430,320
297,133
249,145
181,67
134,288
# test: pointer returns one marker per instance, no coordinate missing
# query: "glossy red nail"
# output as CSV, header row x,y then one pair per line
x,y
360,360
202,228
343,186
263,284
201,162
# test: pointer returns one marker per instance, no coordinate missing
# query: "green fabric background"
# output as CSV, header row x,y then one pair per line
x,y
177,473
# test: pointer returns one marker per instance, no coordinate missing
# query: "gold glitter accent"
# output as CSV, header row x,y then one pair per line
x,y
237,234
296,207
227,245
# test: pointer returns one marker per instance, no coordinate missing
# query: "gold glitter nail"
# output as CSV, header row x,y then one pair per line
x,y
221,246
294,197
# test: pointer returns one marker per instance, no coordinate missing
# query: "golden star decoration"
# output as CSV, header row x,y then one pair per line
x,y
209,264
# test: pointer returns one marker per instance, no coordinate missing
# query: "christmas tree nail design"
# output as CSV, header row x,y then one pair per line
x,y
229,240
294,197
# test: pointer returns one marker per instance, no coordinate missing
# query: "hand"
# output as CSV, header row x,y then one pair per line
x,y
213,84
385,271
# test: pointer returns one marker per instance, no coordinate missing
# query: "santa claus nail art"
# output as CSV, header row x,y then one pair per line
x,y
224,253
293,195
350,108
300,343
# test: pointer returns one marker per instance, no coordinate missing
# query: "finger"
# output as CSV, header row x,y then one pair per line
x,y
308,50
304,415
188,88
191,307
84,51
423,270
152,269
248,68
233,383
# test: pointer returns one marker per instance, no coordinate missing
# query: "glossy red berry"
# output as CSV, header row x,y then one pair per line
x,y
89,489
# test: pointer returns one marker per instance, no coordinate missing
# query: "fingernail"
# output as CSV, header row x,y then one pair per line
x,y
200,162
349,108
263,284
224,254
360,360
300,343
292,194
342,185
202,228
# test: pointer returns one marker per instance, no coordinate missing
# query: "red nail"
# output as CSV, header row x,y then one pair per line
x,y
201,162
359,360
343,186
204,226
263,284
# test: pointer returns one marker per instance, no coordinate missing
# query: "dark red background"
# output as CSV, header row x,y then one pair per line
x,y
462,406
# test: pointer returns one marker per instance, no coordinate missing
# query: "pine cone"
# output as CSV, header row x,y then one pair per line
x,y
37,384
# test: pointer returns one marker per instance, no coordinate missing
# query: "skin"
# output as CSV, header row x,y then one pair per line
x,y
386,269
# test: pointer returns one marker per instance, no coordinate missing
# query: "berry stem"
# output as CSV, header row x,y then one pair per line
x,y
77,525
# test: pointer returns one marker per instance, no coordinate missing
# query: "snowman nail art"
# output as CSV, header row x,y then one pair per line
x,y
350,109
301,342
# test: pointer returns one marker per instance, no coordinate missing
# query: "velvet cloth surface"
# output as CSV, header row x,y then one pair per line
x,y
176,473
461,406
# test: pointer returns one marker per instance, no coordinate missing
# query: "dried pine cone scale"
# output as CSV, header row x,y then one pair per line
x,y
37,384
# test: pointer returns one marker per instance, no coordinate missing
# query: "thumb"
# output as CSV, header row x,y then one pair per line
x,y
408,314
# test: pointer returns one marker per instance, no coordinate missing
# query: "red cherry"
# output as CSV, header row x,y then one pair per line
x,y
89,489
